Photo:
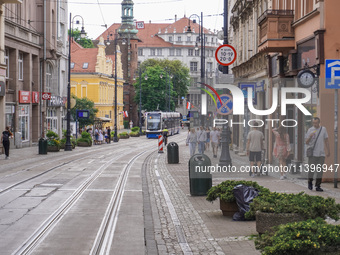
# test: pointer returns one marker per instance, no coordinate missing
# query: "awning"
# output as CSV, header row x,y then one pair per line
x,y
103,119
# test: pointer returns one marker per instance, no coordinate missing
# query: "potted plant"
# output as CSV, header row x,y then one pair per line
x,y
53,142
280,208
224,191
313,236
85,140
63,141
134,134
123,135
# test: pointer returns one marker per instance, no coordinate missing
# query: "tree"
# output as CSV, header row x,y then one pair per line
x,y
84,104
155,91
84,42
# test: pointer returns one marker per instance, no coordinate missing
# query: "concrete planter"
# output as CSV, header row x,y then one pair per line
x,y
228,208
265,221
124,137
84,144
53,148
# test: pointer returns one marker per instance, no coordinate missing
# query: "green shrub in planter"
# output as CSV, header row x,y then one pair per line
x,y
309,207
123,135
313,236
224,190
86,140
86,135
135,129
134,134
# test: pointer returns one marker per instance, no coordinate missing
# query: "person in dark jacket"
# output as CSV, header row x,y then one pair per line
x,y
5,136
165,136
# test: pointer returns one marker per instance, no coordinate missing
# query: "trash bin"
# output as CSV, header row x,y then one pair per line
x,y
42,146
199,175
173,154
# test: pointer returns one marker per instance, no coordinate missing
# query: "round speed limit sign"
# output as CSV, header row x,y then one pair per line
x,y
225,55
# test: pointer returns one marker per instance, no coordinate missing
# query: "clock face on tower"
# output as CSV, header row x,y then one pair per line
x,y
306,78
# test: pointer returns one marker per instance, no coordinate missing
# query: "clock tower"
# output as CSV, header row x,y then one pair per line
x,y
127,34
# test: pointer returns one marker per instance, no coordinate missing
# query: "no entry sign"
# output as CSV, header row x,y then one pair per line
x,y
225,55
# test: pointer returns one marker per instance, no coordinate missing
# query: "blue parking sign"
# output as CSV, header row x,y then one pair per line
x,y
332,74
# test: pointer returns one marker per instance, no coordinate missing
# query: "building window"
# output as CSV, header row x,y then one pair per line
x,y
170,38
179,38
197,53
72,65
159,52
188,38
153,52
21,66
48,77
193,66
190,52
7,62
52,120
85,65
172,52
24,122
140,52
178,52
209,66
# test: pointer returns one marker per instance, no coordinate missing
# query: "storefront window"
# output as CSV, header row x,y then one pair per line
x,y
24,122
52,120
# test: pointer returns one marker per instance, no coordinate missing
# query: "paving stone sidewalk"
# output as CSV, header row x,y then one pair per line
x,y
207,231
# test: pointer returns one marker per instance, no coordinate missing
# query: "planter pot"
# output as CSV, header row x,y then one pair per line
x,y
53,148
84,144
265,221
228,208
124,137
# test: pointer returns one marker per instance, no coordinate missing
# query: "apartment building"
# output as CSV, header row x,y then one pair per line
x,y
275,41
35,56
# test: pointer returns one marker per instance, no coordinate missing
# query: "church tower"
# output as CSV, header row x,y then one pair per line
x,y
128,40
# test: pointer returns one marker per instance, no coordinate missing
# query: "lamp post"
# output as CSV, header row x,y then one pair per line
x,y
68,145
202,40
115,137
168,77
140,99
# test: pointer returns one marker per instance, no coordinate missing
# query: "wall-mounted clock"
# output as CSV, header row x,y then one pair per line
x,y
306,78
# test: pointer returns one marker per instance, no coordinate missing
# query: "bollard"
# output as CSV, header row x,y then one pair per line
x,y
160,144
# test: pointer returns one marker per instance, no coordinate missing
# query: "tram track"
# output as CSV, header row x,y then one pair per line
x,y
105,234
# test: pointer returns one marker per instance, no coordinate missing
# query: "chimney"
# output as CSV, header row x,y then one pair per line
x,y
175,17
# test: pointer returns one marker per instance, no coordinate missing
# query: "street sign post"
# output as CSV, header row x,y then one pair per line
x,y
225,55
333,82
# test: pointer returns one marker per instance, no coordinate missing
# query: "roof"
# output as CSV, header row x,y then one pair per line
x,y
80,55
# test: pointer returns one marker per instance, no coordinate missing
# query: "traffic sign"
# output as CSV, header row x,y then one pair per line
x,y
45,96
225,55
332,73
83,114
227,105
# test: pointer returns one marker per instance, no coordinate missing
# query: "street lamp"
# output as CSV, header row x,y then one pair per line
x,y
140,99
202,40
68,145
168,77
115,137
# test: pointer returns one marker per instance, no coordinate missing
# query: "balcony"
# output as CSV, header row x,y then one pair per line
x,y
10,1
276,32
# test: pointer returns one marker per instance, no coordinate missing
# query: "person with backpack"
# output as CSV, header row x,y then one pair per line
x,y
5,140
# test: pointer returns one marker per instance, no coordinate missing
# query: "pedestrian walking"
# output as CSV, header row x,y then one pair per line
x,y
5,136
96,136
318,147
201,139
192,141
100,137
108,131
255,140
281,148
215,139
165,136
131,124
207,143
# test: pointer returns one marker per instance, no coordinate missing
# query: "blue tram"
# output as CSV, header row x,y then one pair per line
x,y
157,121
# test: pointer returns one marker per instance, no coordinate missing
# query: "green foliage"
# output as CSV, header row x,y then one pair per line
x,y
87,140
155,91
85,135
84,42
224,190
124,134
52,138
310,207
135,129
52,135
313,236
84,104
134,134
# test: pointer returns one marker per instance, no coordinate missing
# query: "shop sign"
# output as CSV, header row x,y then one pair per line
x,y
35,97
24,97
56,101
10,109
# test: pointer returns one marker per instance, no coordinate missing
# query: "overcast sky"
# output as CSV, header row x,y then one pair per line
x,y
96,13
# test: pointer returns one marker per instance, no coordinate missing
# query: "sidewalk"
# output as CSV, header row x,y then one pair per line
x,y
233,236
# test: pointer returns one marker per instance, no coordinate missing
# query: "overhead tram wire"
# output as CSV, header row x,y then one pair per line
x,y
101,13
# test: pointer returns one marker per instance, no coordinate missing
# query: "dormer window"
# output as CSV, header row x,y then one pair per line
x,y
85,65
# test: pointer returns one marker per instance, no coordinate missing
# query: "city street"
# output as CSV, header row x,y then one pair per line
x,y
120,198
